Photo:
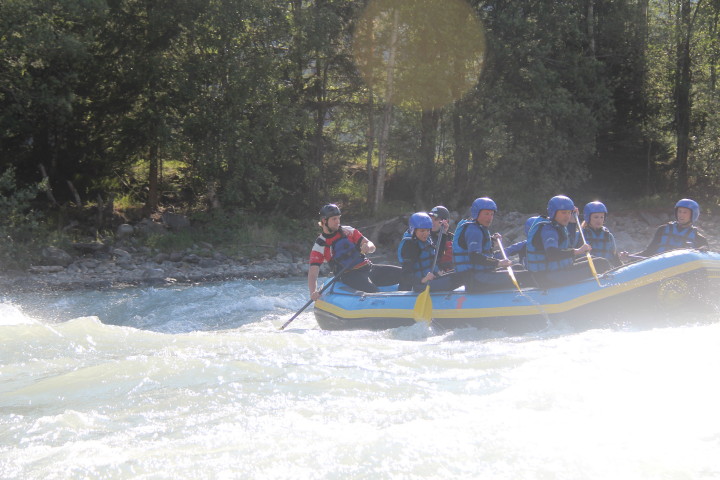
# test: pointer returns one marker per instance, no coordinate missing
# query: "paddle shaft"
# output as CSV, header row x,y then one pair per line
x,y
590,260
509,268
327,285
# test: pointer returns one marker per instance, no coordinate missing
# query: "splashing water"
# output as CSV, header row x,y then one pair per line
x,y
197,382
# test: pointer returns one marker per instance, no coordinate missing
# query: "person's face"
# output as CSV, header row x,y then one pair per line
x,y
333,223
563,217
485,217
438,223
597,220
683,215
422,234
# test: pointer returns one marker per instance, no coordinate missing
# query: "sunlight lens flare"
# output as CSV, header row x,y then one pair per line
x,y
419,53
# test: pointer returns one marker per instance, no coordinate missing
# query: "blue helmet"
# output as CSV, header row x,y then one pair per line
x,y
529,223
559,202
483,203
692,205
329,210
593,207
420,220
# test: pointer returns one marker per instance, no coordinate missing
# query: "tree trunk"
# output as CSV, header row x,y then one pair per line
x,y
683,105
425,174
370,146
387,117
461,155
591,25
152,198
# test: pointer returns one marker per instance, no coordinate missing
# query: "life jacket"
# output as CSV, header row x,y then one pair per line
x,y
461,254
601,241
674,237
345,254
537,260
424,262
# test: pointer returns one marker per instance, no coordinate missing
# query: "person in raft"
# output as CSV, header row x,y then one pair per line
x,y
678,234
441,223
417,256
519,248
475,260
550,255
345,248
598,236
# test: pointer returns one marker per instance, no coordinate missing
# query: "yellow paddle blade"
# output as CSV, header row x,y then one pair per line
x,y
422,312
592,268
512,275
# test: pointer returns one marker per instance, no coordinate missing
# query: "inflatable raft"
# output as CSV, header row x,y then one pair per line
x,y
668,286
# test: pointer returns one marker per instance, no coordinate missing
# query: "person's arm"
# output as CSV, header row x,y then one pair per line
x,y
313,273
701,243
475,240
366,246
654,244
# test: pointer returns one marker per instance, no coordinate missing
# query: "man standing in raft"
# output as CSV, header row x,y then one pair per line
x,y
345,248
678,234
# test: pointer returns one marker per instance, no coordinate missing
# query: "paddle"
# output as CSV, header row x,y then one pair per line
x,y
422,311
509,268
590,261
327,285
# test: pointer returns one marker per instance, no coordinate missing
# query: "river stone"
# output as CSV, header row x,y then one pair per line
x,y
148,227
153,274
56,256
124,231
175,221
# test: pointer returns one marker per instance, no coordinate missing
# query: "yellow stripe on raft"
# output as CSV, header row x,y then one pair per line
x,y
523,310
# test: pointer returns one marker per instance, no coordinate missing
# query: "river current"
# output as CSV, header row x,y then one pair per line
x,y
197,382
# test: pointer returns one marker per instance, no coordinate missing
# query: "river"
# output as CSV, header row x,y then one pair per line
x,y
197,382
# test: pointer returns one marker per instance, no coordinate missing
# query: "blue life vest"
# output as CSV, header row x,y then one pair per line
x,y
345,253
424,262
602,242
537,260
674,237
461,255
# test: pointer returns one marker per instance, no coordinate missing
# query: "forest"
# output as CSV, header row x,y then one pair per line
x,y
276,107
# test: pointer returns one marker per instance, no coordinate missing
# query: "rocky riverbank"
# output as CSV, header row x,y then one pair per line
x,y
123,261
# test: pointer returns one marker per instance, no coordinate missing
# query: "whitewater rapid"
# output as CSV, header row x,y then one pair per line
x,y
198,382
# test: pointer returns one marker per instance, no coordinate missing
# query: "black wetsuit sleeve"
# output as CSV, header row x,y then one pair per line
x,y
701,241
654,243
557,254
480,259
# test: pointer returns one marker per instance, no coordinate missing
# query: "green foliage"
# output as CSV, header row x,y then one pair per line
x,y
258,105
20,226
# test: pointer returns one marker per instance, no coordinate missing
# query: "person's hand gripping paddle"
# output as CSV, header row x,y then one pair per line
x,y
589,258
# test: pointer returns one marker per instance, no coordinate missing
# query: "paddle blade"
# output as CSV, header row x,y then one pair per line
x,y
422,312
514,280
592,269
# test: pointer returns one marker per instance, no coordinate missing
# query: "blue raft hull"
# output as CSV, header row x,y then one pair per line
x,y
661,288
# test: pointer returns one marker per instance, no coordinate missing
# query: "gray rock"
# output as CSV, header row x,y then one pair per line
x,y
124,231
56,256
153,274
175,221
192,258
208,263
148,227
44,269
